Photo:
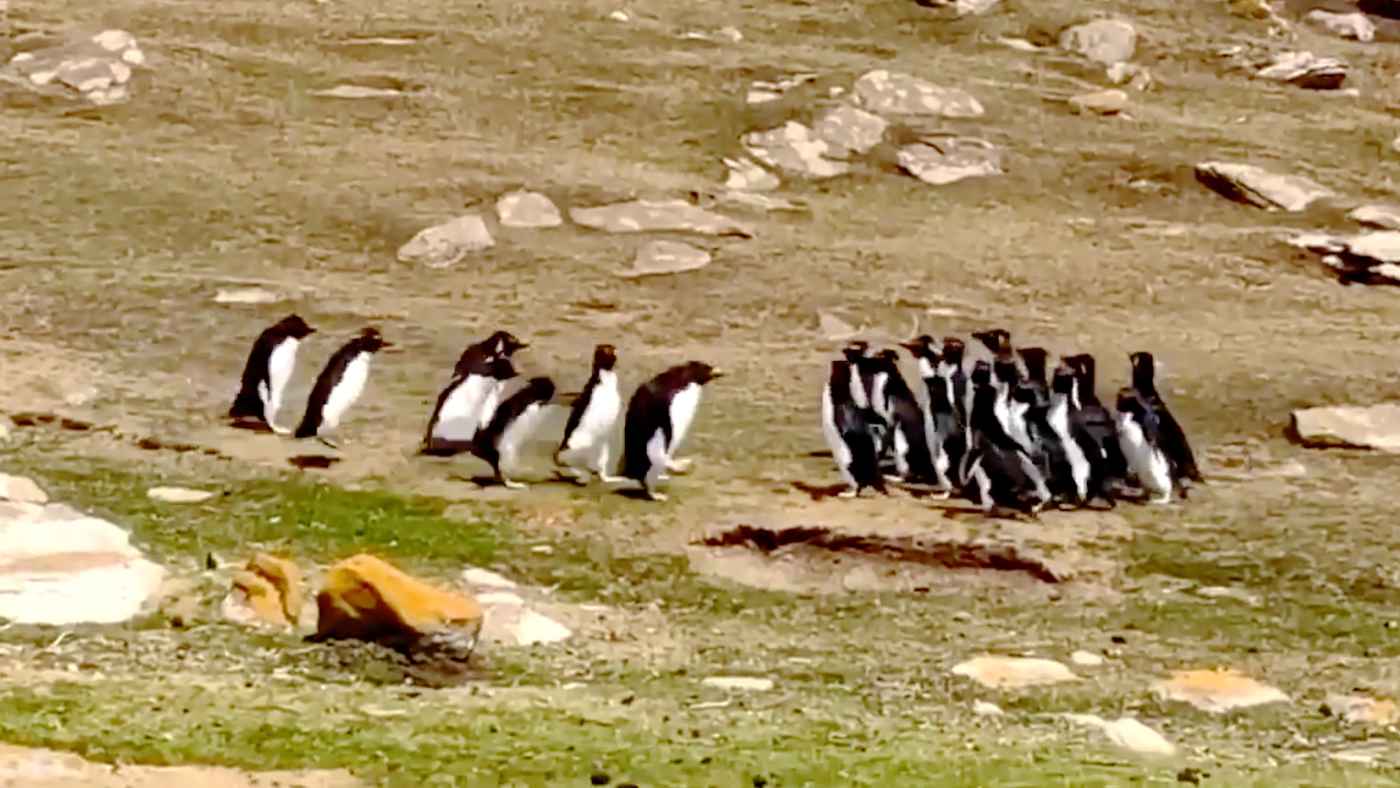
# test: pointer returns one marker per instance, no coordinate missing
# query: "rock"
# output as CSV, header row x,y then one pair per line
x,y
1128,733
284,576
641,216
962,7
527,209
1217,690
984,709
886,93
1355,26
744,175
724,34
178,495
535,628
764,91
1101,102
747,683
1018,44
1013,672
1137,77
1105,41
347,91
1224,592
511,622
1086,659
1349,426
366,598
1305,70
620,16
42,768
475,577
1371,258
1384,217
21,489
59,566
943,161
1361,709
94,68
795,148
846,127
446,244
763,202
666,257
246,295
1256,186
267,592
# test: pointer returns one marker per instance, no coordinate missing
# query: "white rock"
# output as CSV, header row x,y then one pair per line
x,y
1102,41
535,628
445,244
1217,690
527,209
886,93
984,709
940,162
81,396
1356,26
134,56
500,598
744,175
1013,672
178,495
848,128
763,202
764,91
1257,186
748,683
1349,426
666,257
357,92
114,40
639,216
1305,70
1100,102
485,578
246,295
620,16
21,490
121,72
1128,733
1385,217
1086,659
1018,44
794,148
1137,77
58,567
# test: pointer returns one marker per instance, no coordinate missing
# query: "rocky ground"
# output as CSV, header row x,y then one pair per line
x,y
747,185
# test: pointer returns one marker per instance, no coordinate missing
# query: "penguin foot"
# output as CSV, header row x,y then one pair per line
x,y
679,467
514,485
655,496
328,442
279,430
849,492
574,475
608,479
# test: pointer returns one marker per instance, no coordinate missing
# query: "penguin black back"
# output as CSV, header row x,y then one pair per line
x,y
649,412
500,343
248,403
536,391
1173,438
368,341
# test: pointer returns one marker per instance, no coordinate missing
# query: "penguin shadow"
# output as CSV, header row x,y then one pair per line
x,y
250,425
819,492
307,462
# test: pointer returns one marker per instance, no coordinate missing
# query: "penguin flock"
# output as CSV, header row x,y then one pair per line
x,y
487,410
1008,435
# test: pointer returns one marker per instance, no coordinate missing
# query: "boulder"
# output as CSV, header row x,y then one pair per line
x,y
366,598
795,148
642,216
1257,186
1355,26
21,489
1349,426
948,160
1100,102
445,244
92,68
666,257
1217,690
1013,672
1305,70
849,128
1105,41
1368,258
744,175
59,566
891,93
528,210
1361,709
1383,217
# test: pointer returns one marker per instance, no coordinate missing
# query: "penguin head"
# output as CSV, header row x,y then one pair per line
x,y
922,347
981,373
1034,359
1131,405
856,350
887,359
293,326
700,373
953,350
1063,380
1144,368
503,343
370,341
604,356
501,368
996,340
1005,370
540,389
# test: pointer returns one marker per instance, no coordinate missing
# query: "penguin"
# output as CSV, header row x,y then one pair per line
x,y
945,429
1076,459
269,368
1139,436
659,416
1171,436
915,458
999,469
1034,360
339,385
1097,420
511,425
593,420
951,367
853,433
1011,412
467,402
997,341
857,352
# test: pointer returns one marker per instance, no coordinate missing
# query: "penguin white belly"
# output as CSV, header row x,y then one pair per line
x,y
683,407
1145,460
491,400
518,432
1074,454
879,402
858,392
346,391
458,418
279,372
600,417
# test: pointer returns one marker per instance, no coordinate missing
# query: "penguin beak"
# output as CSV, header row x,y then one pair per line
x,y
911,346
717,373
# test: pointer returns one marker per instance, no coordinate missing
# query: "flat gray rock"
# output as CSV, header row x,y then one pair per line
x,y
445,244
1100,102
850,128
666,257
95,69
745,175
891,93
347,91
1105,41
246,295
1355,26
763,91
642,216
795,148
1305,70
1382,217
1349,426
943,161
1257,186
527,210
1369,258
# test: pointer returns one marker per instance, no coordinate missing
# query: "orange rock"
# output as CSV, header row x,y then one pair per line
x,y
259,597
285,576
366,598
1218,690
